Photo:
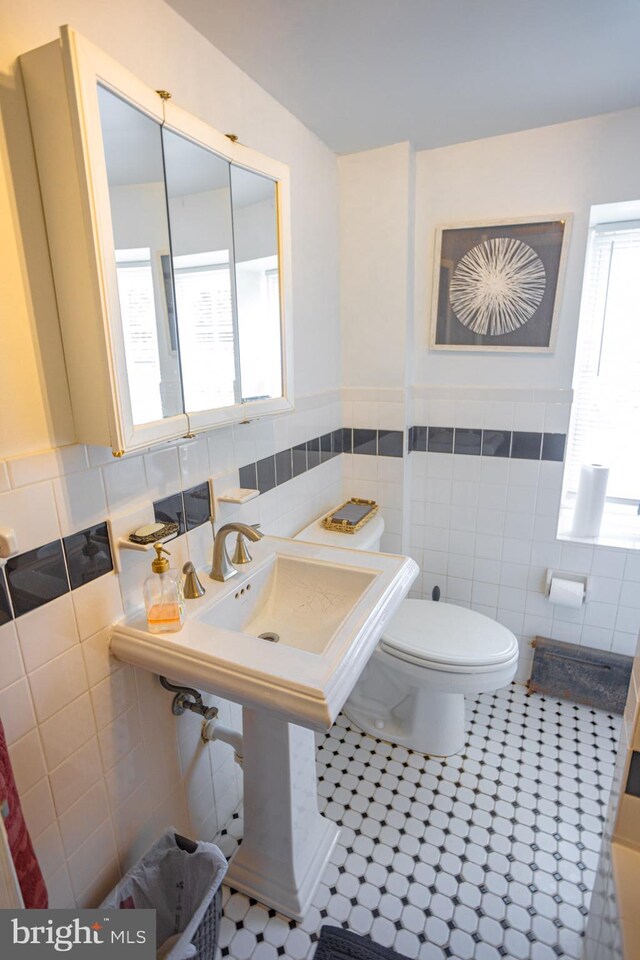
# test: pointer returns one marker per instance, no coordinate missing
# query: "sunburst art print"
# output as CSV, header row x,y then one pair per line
x,y
497,285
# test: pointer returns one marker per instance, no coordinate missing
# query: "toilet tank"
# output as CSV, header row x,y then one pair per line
x,y
366,538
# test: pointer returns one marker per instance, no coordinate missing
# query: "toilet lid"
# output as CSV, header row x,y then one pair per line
x,y
446,634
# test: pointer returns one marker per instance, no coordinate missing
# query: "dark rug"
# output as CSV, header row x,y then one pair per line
x,y
335,943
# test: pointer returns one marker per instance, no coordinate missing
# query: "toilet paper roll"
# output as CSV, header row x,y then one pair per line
x,y
592,492
566,593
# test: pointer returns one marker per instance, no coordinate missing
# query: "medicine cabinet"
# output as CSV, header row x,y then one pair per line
x,y
170,246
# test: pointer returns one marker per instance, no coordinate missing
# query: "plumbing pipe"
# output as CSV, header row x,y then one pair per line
x,y
213,730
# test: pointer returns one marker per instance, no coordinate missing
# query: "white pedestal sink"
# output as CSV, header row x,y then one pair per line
x,y
328,607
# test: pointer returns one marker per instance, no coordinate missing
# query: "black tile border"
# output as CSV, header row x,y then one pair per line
x,y
517,444
294,461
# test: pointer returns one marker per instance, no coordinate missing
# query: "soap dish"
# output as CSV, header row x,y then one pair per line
x,y
152,532
238,495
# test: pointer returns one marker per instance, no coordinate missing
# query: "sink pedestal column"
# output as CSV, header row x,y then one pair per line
x,y
286,842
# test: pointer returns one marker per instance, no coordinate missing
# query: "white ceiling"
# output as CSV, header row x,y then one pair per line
x,y
364,73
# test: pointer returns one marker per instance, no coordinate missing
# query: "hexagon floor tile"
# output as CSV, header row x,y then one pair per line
x,y
481,856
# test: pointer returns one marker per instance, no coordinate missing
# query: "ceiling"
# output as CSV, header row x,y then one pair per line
x,y
365,73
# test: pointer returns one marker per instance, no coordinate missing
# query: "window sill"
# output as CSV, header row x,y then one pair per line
x,y
620,527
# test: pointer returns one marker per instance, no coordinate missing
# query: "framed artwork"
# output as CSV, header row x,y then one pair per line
x,y
497,284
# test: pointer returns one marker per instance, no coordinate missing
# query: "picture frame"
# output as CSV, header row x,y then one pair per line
x,y
497,284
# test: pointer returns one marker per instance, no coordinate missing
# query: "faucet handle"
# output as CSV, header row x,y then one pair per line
x,y
192,586
241,553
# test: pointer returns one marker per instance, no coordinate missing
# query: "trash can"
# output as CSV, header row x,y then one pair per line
x,y
181,880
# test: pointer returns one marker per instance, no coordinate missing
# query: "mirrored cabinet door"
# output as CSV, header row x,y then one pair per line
x,y
199,201
257,272
170,246
135,173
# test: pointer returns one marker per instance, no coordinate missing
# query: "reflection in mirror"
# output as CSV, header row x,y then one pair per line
x,y
255,231
199,199
133,156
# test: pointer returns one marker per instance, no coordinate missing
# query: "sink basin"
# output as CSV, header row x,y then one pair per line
x,y
328,605
287,637
298,602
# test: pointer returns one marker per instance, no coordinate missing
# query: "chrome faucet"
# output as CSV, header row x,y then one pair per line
x,y
222,568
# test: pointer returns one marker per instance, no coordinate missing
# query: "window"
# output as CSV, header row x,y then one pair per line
x,y
137,307
606,412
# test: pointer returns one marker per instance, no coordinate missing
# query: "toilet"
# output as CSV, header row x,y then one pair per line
x,y
432,654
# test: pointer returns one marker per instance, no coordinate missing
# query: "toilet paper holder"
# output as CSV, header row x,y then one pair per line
x,y
563,575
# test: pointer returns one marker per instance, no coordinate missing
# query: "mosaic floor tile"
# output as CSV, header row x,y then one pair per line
x,y
481,856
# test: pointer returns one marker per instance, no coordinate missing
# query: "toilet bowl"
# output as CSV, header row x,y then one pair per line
x,y
432,654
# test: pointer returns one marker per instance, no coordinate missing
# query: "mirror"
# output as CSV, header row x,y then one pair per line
x,y
257,271
199,200
135,173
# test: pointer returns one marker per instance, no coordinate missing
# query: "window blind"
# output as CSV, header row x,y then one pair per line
x,y
606,412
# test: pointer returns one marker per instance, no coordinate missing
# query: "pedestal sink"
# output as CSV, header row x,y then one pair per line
x,y
320,611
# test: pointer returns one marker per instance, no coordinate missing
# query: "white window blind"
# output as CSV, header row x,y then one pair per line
x,y
605,424
138,312
205,318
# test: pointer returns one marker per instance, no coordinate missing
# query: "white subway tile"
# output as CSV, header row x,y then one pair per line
x,y
512,599
625,643
67,730
514,575
550,476
37,807
163,473
494,470
222,454
460,567
27,761
576,558
436,538
120,737
485,594
459,590
193,457
628,620
497,415
600,614
485,570
113,695
16,710
632,566
529,416
97,605
467,468
519,526
597,637
126,775
90,858
524,473
47,632
83,817
630,595
60,890
462,542
605,590
46,465
75,775
608,563
493,496
435,562
439,465
31,512
4,477
81,500
556,417
463,518
48,849
125,484
57,683
10,655
488,546
516,551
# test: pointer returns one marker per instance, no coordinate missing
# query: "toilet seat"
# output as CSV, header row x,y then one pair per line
x,y
449,638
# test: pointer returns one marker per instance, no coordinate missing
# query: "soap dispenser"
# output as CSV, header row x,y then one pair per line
x,y
163,597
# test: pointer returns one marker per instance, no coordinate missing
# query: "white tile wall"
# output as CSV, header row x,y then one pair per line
x,y
101,763
484,530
